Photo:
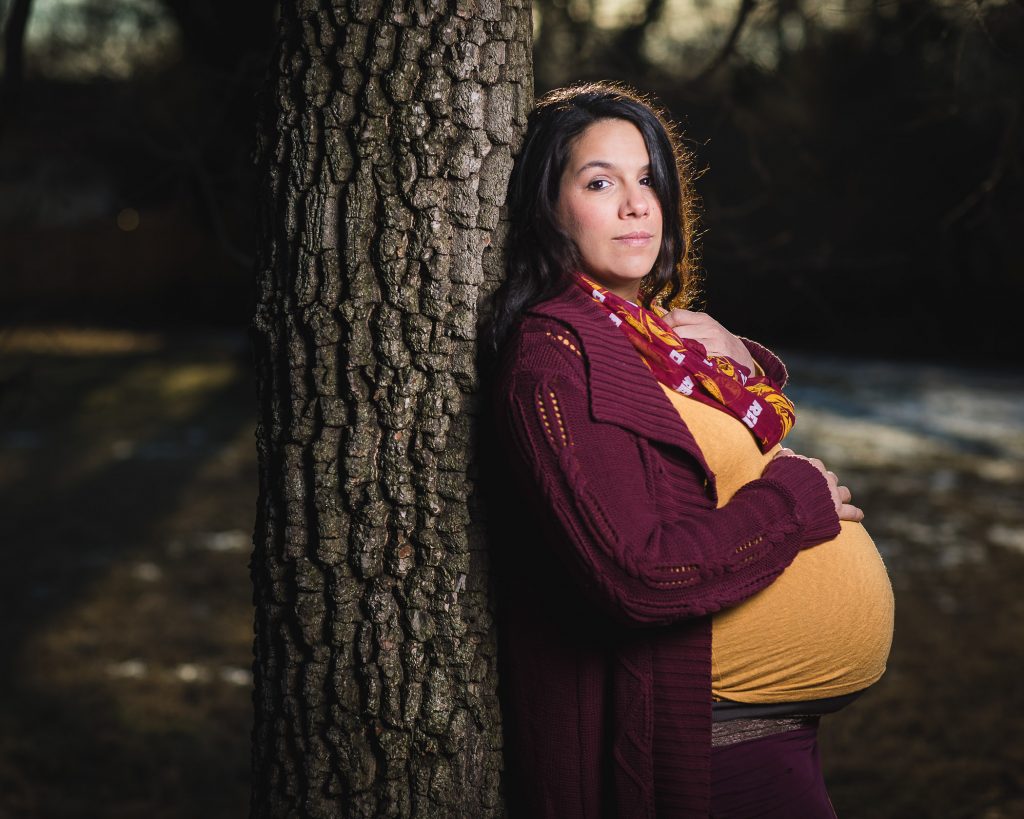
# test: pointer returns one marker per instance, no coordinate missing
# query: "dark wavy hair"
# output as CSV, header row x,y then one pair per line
x,y
540,257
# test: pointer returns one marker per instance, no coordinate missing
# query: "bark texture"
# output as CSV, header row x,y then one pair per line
x,y
385,146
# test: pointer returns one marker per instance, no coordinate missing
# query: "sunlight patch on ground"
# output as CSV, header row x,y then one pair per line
x,y
137,669
175,389
77,341
232,541
1009,537
152,409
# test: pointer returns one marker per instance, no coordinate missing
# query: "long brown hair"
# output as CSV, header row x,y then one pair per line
x,y
540,256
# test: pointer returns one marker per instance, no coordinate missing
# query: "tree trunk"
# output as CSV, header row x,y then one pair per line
x,y
385,147
14,51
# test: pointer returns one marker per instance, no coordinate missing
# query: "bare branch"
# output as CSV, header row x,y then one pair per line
x,y
746,6
1004,155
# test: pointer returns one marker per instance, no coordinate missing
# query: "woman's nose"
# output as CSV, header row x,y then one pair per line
x,y
635,203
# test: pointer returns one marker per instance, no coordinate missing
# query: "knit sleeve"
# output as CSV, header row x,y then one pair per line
x,y
770,363
597,485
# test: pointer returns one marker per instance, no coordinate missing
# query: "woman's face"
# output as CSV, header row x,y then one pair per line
x,y
608,208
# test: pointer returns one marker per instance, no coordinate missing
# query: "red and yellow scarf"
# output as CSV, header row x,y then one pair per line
x,y
685,366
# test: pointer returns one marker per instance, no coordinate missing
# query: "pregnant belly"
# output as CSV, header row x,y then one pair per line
x,y
822,629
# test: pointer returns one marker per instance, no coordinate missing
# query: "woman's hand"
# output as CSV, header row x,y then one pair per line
x,y
841,495
715,338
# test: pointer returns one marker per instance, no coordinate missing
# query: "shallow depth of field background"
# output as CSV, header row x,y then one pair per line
x,y
860,169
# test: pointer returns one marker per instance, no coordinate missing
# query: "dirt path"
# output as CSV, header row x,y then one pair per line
x,y
128,476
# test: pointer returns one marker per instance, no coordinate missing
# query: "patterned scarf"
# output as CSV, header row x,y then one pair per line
x,y
684,366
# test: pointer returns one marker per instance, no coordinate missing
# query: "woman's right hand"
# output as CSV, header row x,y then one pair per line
x,y
841,495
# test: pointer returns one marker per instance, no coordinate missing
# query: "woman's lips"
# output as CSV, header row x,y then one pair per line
x,y
637,239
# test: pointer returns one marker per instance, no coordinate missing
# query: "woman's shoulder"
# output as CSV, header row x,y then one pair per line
x,y
557,317
541,342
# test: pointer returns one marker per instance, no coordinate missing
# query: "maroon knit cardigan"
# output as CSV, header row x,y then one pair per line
x,y
614,559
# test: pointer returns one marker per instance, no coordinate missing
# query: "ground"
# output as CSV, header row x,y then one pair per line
x,y
128,475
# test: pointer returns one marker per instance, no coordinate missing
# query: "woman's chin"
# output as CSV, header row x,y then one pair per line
x,y
623,278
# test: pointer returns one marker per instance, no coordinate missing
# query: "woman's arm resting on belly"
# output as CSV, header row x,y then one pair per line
x,y
841,495
597,485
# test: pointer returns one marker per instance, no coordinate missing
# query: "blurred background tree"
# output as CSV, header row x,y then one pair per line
x,y
126,180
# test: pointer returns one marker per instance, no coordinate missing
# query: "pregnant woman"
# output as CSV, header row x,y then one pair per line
x,y
681,598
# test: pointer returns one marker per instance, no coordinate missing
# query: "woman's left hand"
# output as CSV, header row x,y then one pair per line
x,y
715,338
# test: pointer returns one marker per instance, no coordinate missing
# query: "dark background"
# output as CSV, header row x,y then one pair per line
x,y
860,167
860,161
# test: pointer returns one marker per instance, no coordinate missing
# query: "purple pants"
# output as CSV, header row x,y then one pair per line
x,y
774,777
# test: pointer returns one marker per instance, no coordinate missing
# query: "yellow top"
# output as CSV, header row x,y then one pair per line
x,y
823,628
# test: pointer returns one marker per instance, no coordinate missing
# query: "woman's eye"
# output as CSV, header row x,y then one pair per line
x,y
646,180
598,185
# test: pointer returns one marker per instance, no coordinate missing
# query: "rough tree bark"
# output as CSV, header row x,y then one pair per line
x,y
385,148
